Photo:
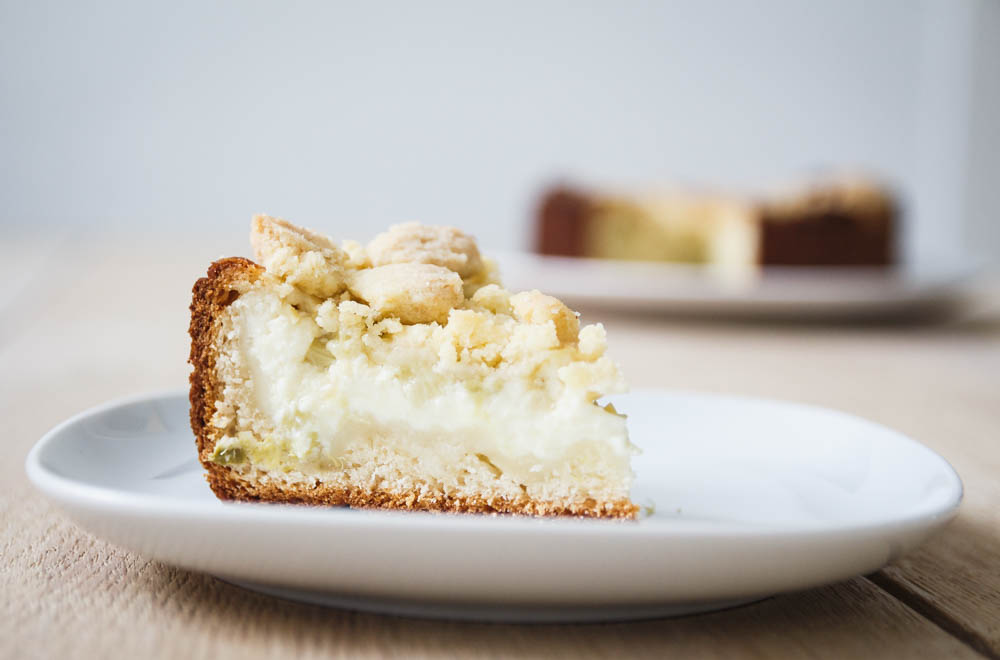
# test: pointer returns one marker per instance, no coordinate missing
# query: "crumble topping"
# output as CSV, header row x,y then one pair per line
x,y
412,292
537,308
852,195
304,259
416,286
413,243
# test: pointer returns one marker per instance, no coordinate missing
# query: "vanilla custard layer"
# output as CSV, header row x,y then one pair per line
x,y
311,387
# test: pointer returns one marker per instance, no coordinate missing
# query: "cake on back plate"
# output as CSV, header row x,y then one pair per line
x,y
830,222
400,375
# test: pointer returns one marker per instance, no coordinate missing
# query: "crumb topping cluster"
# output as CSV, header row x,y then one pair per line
x,y
418,286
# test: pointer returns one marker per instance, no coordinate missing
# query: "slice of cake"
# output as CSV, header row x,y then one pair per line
x,y
839,222
400,375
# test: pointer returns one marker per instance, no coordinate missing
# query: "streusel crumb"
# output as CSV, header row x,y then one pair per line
x,y
304,259
427,244
412,292
406,290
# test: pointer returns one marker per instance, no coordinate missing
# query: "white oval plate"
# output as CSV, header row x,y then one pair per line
x,y
803,292
752,497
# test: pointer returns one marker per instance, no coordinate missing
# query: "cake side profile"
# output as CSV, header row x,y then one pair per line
x,y
848,223
844,222
400,375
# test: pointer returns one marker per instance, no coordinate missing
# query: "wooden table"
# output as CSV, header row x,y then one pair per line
x,y
82,321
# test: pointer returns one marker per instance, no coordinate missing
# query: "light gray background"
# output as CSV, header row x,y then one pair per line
x,y
188,116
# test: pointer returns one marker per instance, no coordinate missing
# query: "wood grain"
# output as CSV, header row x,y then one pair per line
x,y
68,594
952,581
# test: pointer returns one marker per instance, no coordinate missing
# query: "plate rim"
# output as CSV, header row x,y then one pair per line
x,y
925,286
69,492
946,270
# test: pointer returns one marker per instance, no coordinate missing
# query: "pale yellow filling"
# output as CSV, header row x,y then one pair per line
x,y
674,228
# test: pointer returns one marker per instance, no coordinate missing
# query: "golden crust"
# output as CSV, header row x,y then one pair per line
x,y
226,280
230,485
211,294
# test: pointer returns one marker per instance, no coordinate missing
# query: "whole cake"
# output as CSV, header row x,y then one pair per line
x,y
837,222
400,375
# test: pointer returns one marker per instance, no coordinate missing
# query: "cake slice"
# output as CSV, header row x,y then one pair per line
x,y
837,222
400,375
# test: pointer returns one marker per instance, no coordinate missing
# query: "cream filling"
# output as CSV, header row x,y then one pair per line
x,y
319,397
721,233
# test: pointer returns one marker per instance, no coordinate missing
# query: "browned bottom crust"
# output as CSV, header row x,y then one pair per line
x,y
225,281
229,485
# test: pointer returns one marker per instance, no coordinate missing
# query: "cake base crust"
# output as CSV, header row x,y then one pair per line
x,y
226,280
230,485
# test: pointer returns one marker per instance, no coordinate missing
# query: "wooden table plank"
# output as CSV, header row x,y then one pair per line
x,y
68,594
952,582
